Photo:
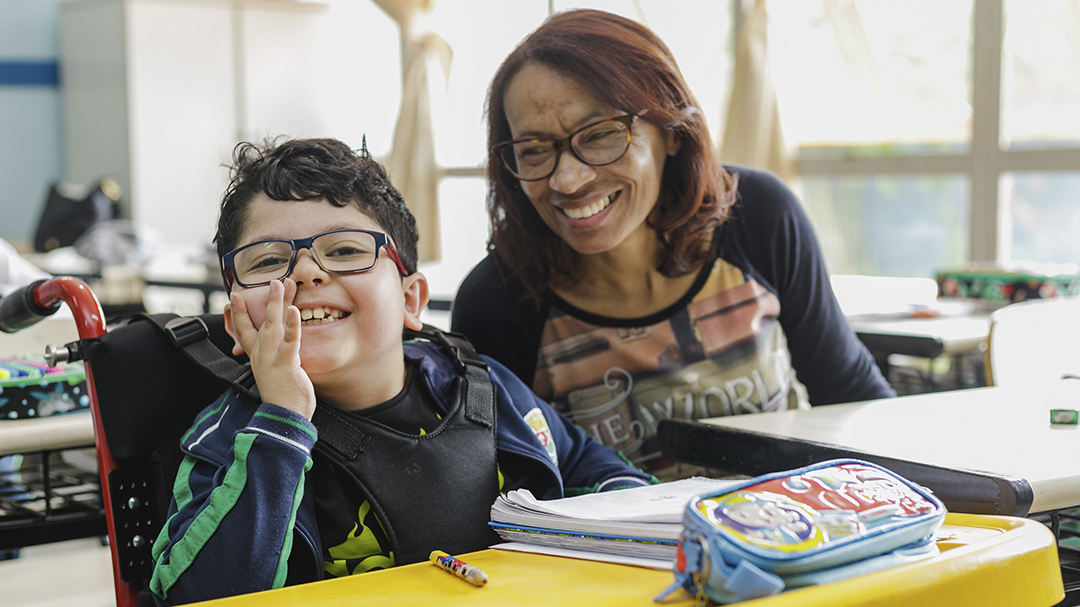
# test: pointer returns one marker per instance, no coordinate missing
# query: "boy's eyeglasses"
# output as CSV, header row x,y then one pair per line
x,y
596,144
336,252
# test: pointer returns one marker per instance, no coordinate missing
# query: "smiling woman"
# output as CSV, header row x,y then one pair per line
x,y
631,276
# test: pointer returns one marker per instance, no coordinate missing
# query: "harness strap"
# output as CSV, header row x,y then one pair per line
x,y
479,396
345,438
190,334
478,390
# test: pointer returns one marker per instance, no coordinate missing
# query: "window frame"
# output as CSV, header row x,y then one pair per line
x,y
987,158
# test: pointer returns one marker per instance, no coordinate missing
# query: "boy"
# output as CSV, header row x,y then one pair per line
x,y
415,440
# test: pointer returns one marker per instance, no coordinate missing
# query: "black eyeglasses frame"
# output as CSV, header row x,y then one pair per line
x,y
565,144
228,264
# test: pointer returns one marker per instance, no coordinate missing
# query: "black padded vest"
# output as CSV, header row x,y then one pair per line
x,y
432,491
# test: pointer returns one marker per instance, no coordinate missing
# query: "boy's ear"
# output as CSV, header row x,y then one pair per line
x,y
230,328
415,287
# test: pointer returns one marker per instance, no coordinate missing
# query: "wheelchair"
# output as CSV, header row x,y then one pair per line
x,y
145,391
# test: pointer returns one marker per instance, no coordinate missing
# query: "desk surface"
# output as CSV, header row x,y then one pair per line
x,y
957,333
515,579
984,561
983,450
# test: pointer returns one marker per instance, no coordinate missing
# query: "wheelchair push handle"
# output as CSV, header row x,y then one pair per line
x,y
30,304
19,309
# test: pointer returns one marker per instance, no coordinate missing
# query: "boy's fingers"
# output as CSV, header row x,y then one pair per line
x,y
241,320
275,305
290,290
292,325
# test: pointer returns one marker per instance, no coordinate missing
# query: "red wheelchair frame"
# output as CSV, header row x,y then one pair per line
x,y
28,305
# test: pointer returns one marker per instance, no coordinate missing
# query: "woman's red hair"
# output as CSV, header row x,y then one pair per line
x,y
628,67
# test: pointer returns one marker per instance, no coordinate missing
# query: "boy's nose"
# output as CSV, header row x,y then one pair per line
x,y
306,269
570,174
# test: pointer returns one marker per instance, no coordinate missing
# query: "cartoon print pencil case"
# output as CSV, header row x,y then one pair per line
x,y
817,524
30,388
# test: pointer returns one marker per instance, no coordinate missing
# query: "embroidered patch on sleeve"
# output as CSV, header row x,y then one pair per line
x,y
536,420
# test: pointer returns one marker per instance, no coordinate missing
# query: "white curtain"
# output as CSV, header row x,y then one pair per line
x,y
752,135
425,64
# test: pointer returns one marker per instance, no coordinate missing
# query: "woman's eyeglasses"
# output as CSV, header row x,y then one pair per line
x,y
336,252
597,144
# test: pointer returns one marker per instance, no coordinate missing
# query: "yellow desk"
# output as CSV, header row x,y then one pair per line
x,y
985,561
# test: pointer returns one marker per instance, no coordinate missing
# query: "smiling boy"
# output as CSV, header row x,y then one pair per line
x,y
365,451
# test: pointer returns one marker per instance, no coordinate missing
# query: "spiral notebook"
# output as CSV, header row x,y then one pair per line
x,y
635,522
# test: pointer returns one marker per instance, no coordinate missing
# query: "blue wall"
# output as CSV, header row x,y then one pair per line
x,y
31,150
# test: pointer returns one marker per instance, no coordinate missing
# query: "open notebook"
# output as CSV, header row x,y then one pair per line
x,y
640,522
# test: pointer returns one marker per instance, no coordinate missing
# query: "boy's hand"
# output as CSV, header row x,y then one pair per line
x,y
274,349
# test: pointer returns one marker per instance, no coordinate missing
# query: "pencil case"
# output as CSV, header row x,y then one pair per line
x,y
30,388
818,524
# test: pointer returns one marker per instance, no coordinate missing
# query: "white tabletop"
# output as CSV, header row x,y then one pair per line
x,y
957,333
1004,431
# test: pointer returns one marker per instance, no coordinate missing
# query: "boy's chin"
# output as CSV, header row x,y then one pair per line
x,y
318,365
329,359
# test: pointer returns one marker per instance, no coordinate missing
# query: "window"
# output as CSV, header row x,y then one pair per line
x,y
933,132
1040,65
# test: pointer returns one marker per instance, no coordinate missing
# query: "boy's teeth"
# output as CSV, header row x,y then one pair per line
x,y
588,211
318,315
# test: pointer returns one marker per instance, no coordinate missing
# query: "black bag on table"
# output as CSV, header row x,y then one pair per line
x,y
64,219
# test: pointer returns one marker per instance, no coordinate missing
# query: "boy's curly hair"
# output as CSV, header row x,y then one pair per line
x,y
310,169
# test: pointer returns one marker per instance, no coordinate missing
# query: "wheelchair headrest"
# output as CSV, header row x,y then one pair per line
x,y
147,390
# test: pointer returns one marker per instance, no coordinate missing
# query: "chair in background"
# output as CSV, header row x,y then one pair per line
x,y
1034,341
920,343
882,295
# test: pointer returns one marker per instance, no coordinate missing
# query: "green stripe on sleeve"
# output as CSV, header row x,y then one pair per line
x,y
182,495
221,501
285,420
286,547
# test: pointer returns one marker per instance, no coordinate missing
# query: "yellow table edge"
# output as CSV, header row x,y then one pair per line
x,y
985,561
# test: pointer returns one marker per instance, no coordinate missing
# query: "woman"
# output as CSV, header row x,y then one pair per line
x,y
631,277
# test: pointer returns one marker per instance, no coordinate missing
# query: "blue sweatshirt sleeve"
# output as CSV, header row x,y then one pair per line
x,y
234,506
530,426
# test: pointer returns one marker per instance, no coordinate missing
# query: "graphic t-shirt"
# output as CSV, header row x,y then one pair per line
x,y
762,305
722,353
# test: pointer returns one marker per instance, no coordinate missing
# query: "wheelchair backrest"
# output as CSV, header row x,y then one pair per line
x,y
148,392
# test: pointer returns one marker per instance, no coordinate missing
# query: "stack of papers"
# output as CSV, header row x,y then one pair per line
x,y
636,522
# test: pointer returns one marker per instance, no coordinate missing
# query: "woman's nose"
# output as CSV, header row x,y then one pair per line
x,y
306,269
570,174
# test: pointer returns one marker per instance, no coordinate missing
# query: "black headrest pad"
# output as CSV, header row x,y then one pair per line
x,y
148,391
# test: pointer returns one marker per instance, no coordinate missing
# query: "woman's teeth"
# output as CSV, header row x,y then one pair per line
x,y
589,211
317,316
